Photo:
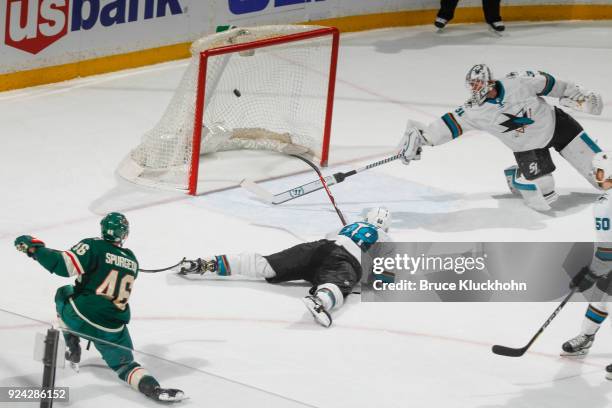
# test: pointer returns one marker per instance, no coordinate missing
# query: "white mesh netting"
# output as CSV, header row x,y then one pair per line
x,y
269,98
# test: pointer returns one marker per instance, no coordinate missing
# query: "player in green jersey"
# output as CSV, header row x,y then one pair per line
x,y
97,305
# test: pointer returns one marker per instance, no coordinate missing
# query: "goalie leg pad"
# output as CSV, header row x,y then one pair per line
x,y
538,193
510,174
579,153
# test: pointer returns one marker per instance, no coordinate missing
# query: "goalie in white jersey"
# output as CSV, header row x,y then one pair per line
x,y
332,265
598,272
513,109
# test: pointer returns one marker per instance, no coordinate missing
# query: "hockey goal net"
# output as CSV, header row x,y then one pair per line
x,y
267,88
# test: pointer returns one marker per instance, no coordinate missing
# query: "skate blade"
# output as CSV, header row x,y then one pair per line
x,y
177,398
497,33
322,318
609,376
577,354
75,367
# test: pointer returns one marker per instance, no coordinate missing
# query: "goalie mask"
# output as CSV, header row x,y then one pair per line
x,y
602,166
380,217
115,227
479,81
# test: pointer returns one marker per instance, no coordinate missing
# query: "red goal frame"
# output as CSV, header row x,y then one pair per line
x,y
201,89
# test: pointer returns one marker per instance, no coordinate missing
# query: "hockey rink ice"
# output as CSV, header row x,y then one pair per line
x,y
247,343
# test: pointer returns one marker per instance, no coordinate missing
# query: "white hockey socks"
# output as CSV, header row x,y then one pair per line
x,y
246,264
595,315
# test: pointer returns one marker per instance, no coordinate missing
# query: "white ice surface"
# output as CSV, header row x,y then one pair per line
x,y
61,144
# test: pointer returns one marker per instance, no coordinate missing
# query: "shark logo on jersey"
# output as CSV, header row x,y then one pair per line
x,y
518,122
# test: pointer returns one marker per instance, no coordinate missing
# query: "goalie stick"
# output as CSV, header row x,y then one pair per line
x,y
311,187
518,352
325,186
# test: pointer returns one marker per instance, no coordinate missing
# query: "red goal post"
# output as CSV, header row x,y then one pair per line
x,y
205,55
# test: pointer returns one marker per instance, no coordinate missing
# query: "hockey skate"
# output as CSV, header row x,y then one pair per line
x,y
198,266
73,354
497,28
314,305
609,372
578,346
157,393
440,24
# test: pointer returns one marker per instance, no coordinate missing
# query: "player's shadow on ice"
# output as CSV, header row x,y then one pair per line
x,y
511,213
294,290
456,35
460,36
25,380
567,389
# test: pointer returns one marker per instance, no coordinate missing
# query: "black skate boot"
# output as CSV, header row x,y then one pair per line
x,y
314,306
609,372
149,387
73,354
440,23
497,27
578,346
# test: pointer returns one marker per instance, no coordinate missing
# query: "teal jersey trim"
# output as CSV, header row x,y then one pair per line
x,y
590,142
550,84
452,124
501,93
520,186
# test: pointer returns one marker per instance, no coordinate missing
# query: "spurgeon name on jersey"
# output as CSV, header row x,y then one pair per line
x,y
105,275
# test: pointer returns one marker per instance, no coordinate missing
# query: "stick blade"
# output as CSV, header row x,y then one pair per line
x,y
508,351
259,192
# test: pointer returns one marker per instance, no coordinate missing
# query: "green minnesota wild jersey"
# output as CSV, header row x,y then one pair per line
x,y
105,275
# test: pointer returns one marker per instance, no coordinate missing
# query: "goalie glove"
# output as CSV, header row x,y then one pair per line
x,y
581,100
410,146
28,245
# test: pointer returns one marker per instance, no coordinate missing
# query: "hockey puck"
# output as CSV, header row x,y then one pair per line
x,y
237,93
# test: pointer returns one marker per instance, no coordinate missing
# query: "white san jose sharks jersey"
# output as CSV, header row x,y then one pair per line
x,y
602,213
358,238
519,116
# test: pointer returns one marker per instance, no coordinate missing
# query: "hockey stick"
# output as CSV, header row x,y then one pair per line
x,y
518,352
162,269
323,182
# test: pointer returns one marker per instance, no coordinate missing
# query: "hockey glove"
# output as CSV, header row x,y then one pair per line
x,y
585,279
28,245
411,144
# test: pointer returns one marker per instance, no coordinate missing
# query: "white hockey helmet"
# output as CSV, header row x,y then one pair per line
x,y
602,161
379,216
479,81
